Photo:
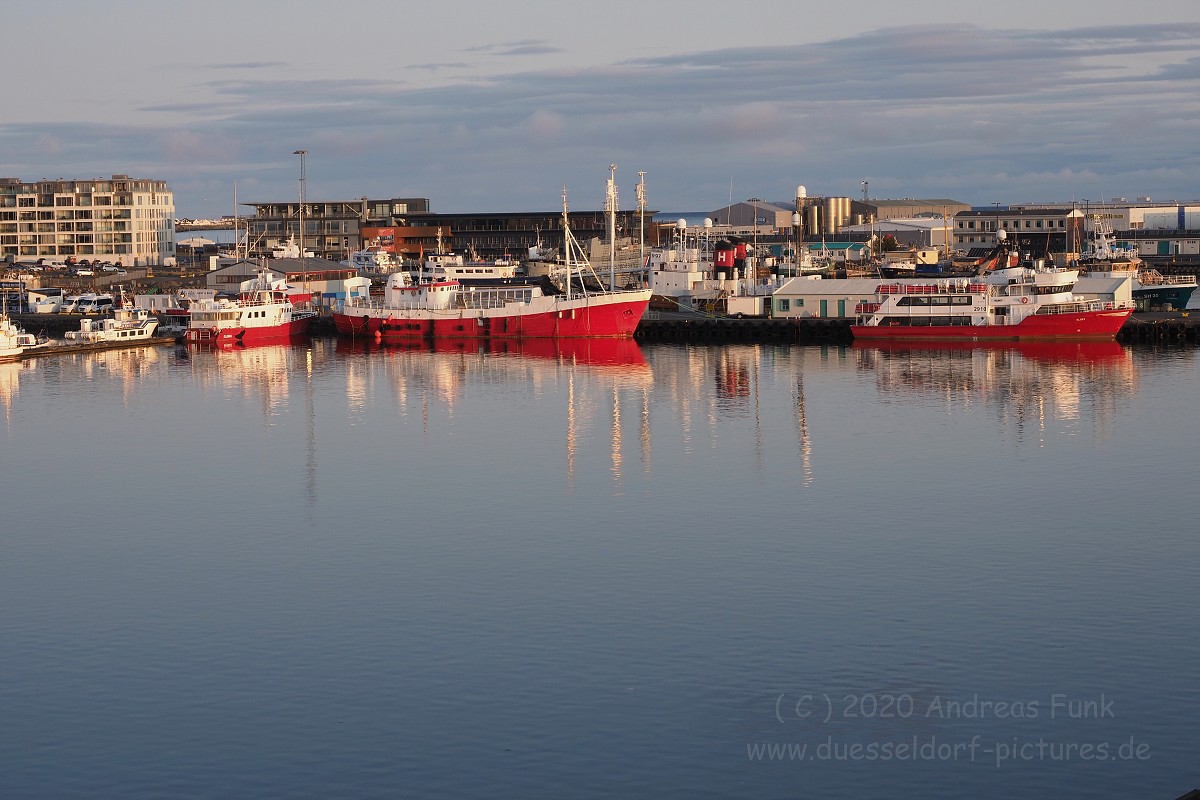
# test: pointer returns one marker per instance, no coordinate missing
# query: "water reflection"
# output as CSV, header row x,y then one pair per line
x,y
10,385
1027,382
597,376
720,399
264,371
766,407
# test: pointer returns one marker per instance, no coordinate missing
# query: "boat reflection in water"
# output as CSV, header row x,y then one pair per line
x,y
597,352
600,378
1025,380
10,385
266,372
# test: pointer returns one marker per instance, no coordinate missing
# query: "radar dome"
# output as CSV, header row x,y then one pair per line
x,y
801,193
681,223
1002,234
707,222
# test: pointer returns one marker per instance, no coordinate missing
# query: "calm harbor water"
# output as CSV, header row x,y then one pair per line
x,y
599,570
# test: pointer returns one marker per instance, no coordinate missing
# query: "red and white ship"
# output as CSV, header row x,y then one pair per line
x,y
445,307
1003,301
263,313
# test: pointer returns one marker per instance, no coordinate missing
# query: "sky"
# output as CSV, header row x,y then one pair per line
x,y
483,106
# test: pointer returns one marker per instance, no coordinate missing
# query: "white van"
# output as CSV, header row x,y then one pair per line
x,y
94,304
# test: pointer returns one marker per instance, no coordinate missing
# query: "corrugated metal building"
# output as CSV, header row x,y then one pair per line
x,y
836,298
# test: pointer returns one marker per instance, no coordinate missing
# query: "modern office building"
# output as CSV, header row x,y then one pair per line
x,y
128,221
328,229
407,227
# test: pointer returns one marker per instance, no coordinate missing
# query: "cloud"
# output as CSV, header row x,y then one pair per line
x,y
952,110
529,50
249,65
518,48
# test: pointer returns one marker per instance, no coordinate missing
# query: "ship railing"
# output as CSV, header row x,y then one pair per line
x,y
958,286
200,334
1081,306
1156,278
493,298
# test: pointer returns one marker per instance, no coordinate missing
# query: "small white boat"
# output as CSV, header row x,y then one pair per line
x,y
125,325
448,266
374,261
289,249
11,346
14,341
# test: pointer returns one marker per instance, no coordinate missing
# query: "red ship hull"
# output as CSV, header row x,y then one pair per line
x,y
598,318
1097,325
234,336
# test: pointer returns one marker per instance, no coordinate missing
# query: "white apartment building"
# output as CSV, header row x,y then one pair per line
x,y
128,221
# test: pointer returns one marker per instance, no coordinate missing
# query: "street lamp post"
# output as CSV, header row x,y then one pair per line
x,y
798,222
754,238
1087,224
302,154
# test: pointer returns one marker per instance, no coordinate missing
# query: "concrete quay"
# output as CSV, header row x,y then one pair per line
x,y
1161,327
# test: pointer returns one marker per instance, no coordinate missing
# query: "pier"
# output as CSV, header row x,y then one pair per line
x,y
73,348
1160,327
681,327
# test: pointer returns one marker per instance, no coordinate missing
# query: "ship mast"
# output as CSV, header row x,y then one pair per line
x,y
566,242
610,205
641,202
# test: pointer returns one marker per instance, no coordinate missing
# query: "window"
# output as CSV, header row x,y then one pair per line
x,y
784,305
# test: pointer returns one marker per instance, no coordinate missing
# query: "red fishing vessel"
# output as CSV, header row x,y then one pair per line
x,y
572,303
264,313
